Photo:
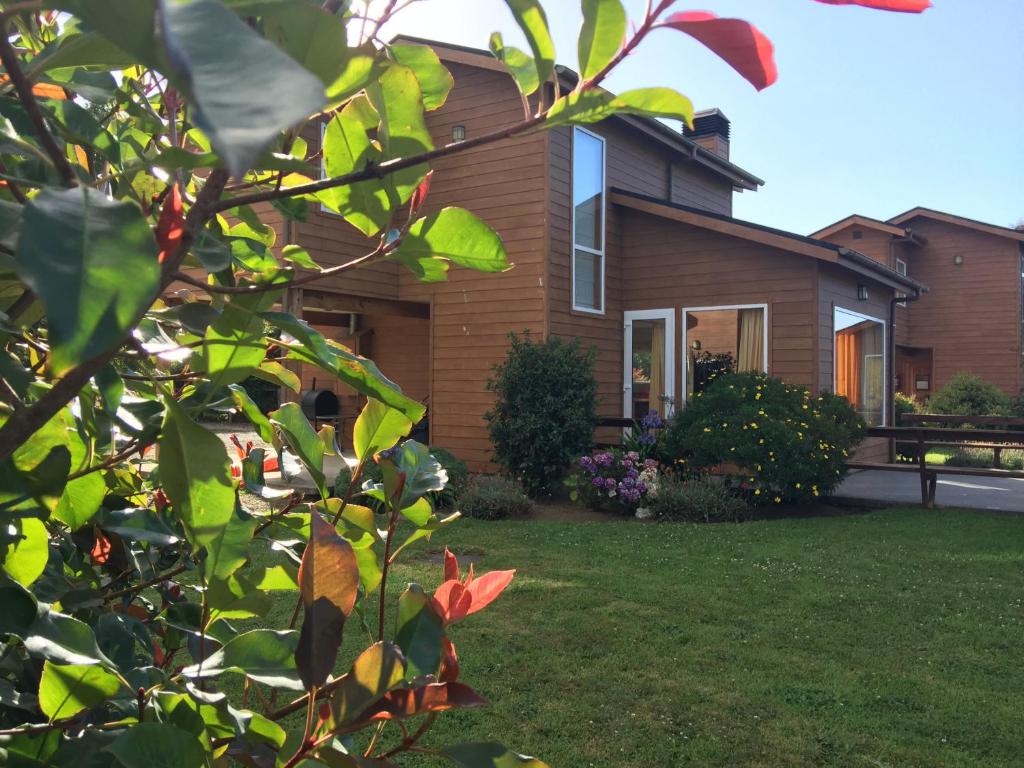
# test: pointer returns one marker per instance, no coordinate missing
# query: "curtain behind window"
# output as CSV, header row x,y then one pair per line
x,y
849,354
656,403
750,340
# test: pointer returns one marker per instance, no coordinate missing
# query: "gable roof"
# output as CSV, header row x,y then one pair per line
x,y
962,221
856,220
776,238
663,134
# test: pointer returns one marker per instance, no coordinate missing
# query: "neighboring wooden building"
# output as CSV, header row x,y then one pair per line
x,y
622,235
970,320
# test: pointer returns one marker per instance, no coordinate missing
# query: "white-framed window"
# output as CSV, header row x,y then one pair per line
x,y
588,201
721,339
901,269
859,363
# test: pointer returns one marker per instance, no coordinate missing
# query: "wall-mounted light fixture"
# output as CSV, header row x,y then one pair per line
x,y
959,259
862,292
458,133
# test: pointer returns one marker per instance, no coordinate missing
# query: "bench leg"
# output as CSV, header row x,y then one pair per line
x,y
997,454
924,488
933,481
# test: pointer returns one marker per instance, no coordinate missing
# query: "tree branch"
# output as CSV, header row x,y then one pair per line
x,y
383,169
9,57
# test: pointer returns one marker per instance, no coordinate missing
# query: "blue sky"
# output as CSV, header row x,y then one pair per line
x,y
873,113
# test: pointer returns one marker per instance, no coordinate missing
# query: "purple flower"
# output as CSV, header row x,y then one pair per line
x,y
650,463
627,463
586,462
652,420
597,482
647,438
641,487
609,483
632,473
604,459
633,456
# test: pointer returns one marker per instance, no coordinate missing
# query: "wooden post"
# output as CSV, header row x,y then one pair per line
x,y
922,464
292,303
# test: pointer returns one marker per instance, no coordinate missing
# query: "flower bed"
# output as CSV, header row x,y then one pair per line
x,y
614,480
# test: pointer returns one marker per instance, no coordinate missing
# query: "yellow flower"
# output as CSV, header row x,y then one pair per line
x,y
778,500
753,425
707,429
798,486
757,492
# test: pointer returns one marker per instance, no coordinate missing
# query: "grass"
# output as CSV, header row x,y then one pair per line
x,y
885,639
974,457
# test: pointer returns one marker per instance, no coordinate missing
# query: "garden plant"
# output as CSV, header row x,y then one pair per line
x,y
142,139
776,439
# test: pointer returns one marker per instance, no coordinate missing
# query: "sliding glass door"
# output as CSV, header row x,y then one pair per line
x,y
649,363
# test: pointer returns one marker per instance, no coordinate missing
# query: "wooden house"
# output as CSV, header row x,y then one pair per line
x,y
970,320
622,235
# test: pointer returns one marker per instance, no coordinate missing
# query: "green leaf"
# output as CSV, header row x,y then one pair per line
x,y
592,106
276,373
229,549
530,17
357,372
376,671
300,256
65,690
403,130
328,586
263,655
79,49
422,473
157,745
27,550
311,36
435,79
489,755
233,344
141,524
520,66
82,497
252,412
75,249
303,440
456,235
419,632
60,638
244,106
604,29
378,428
347,148
237,597
129,24
196,473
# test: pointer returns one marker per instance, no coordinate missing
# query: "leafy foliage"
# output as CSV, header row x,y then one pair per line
x,y
778,438
905,404
124,122
494,497
545,409
968,395
698,499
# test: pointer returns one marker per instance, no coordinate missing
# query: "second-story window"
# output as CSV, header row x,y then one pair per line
x,y
588,221
901,269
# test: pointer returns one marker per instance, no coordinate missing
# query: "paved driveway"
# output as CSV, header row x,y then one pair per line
x,y
904,487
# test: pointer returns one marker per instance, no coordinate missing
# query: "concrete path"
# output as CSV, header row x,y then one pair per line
x,y
998,493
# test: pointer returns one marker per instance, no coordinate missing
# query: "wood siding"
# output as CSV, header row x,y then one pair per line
x,y
670,264
636,163
970,318
505,185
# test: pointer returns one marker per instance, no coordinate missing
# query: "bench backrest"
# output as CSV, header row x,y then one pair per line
x,y
941,419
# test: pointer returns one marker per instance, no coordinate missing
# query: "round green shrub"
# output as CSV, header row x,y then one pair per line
x,y
905,404
494,497
696,499
545,409
968,395
784,443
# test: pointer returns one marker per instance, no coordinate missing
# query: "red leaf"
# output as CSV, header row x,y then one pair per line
x,y
452,601
171,224
158,654
449,662
100,549
740,44
451,566
900,6
160,500
486,589
434,697
420,195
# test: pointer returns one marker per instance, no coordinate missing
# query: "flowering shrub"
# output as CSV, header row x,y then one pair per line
x,y
614,480
785,444
645,437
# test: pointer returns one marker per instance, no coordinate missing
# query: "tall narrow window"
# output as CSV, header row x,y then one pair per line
x,y
588,221
901,269
860,364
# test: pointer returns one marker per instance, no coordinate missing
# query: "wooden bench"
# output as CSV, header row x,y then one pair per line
x,y
923,436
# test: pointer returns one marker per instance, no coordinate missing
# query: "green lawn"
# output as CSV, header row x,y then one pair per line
x,y
894,638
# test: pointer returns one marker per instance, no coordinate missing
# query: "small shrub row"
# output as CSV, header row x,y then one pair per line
x,y
699,499
494,497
